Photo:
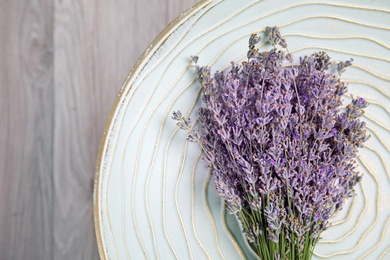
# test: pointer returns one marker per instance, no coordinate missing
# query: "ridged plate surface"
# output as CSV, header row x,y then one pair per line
x,y
154,196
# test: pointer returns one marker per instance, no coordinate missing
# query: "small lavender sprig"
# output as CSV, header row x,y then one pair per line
x,y
280,148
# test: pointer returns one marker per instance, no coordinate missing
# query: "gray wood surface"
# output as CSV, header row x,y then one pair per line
x,y
61,66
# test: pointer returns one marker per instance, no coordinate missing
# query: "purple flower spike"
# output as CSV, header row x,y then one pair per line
x,y
282,153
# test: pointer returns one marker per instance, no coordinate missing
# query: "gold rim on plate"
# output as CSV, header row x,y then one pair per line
x,y
126,87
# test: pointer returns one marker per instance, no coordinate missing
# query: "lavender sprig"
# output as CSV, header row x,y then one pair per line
x,y
281,149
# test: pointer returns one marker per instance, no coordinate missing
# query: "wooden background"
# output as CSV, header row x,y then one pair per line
x,y
61,66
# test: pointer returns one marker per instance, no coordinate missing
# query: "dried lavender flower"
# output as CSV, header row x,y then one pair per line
x,y
281,149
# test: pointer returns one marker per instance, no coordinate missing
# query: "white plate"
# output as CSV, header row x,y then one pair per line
x,y
153,194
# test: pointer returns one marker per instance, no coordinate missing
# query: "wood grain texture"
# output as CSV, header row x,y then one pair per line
x,y
62,64
26,133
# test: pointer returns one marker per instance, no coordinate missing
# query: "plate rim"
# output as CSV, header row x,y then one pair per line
x,y
125,88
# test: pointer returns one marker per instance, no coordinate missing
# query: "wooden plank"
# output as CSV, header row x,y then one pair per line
x,y
26,119
75,129
96,44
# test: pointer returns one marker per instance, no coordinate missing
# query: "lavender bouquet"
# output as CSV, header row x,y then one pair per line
x,y
281,149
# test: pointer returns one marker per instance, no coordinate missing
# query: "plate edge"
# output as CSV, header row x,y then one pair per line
x,y
140,63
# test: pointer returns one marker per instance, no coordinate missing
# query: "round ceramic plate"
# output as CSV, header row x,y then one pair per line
x,y
154,196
